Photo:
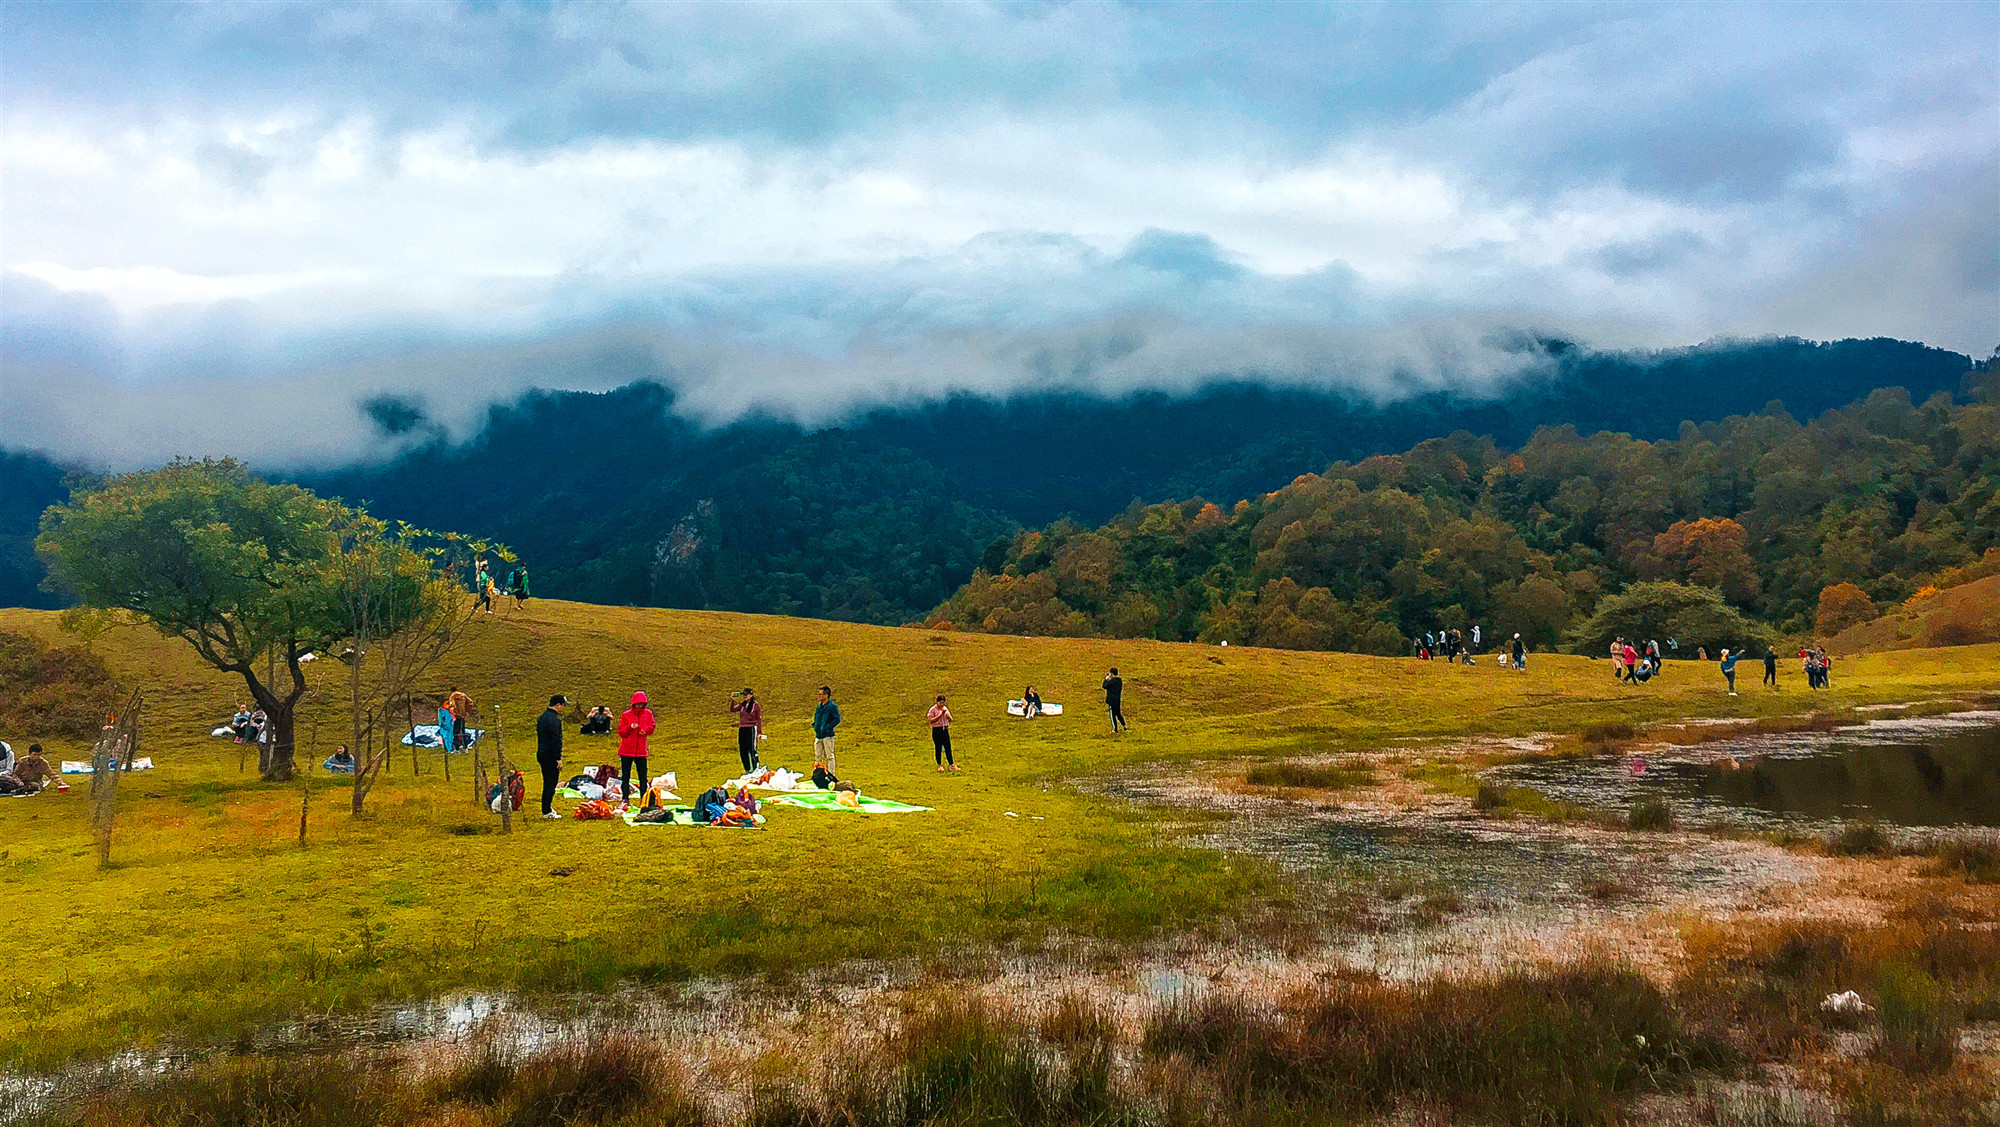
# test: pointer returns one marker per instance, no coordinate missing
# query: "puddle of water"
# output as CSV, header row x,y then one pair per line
x,y
1935,772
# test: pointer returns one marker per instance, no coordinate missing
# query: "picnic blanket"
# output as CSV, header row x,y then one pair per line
x,y
426,735
825,800
771,778
81,767
1020,708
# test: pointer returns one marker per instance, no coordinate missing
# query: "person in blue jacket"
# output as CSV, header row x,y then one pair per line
x,y
1729,668
826,718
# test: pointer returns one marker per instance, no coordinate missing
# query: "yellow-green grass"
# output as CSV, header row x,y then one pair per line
x,y
213,919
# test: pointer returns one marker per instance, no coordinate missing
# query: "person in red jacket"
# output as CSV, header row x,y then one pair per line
x,y
1631,659
749,726
633,728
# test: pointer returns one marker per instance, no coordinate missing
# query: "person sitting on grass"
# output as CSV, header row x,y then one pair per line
x,y
598,723
26,775
1031,703
341,762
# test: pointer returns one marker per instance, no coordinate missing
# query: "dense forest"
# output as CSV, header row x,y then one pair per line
x,y
618,498
1764,512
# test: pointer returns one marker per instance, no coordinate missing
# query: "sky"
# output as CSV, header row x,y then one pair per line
x,y
226,227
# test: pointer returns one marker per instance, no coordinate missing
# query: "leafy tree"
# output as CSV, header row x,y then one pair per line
x,y
1692,616
253,575
1842,605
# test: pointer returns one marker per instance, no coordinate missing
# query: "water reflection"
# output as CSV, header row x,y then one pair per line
x,y
1910,773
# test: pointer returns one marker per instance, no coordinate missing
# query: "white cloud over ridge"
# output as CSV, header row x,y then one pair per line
x,y
227,225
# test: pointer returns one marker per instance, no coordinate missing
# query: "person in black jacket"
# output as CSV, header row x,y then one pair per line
x,y
548,751
1114,698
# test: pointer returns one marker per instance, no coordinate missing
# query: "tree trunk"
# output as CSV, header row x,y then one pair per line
x,y
277,765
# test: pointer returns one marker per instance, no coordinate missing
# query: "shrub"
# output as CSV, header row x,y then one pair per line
x,y
1858,839
1489,796
52,690
1651,814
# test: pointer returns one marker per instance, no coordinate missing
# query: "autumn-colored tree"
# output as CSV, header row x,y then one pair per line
x,y
1842,605
1710,553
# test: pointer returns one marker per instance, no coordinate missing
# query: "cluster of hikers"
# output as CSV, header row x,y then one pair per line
x,y
489,591
24,776
1818,667
1456,645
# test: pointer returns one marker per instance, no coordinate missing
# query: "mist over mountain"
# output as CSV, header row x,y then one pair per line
x,y
615,497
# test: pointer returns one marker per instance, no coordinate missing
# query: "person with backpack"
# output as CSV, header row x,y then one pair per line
x,y
517,586
1114,696
548,751
1520,654
826,717
633,729
749,726
940,718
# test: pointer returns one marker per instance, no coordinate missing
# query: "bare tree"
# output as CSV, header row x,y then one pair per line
x,y
108,760
404,614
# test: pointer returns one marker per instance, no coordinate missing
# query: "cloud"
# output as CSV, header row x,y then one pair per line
x,y
279,213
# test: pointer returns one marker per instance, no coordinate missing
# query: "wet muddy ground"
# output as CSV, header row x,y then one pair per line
x,y
1400,880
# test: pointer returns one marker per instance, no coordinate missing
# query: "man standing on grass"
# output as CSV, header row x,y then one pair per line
x,y
1114,696
825,719
1770,667
749,726
1729,669
548,751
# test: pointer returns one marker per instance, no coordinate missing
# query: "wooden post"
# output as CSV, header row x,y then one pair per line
x,y
500,765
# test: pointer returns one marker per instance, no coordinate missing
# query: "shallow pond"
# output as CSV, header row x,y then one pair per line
x,y
1932,772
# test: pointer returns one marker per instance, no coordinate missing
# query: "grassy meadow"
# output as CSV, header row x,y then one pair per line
x,y
214,919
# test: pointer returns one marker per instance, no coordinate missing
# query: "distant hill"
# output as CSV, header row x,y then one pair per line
x,y
1964,615
614,498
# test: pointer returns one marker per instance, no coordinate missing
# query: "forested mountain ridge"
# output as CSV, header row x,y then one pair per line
x,y
615,498
1366,555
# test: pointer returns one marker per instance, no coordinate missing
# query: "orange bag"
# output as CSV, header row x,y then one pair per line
x,y
593,810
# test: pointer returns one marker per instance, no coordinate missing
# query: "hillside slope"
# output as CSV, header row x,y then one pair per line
x,y
1968,614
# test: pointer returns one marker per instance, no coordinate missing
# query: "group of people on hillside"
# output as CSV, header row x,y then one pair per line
x,y
1452,644
1818,667
1635,663
1456,645
489,591
635,728
23,776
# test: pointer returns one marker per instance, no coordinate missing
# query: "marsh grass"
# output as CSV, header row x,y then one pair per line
x,y
1551,1047
1650,814
1974,862
1304,776
1924,971
1859,839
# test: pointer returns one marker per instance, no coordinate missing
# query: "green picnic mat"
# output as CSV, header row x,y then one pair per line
x,y
824,800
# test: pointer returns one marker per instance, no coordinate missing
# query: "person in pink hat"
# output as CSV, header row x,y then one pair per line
x,y
633,728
